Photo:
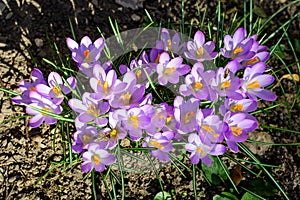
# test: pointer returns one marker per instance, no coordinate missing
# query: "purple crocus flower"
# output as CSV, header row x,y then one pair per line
x,y
90,109
132,95
56,88
96,158
45,105
161,141
104,84
158,116
185,113
226,84
254,82
170,44
170,70
239,125
134,120
197,83
210,127
238,47
82,137
87,54
243,105
29,87
199,50
200,151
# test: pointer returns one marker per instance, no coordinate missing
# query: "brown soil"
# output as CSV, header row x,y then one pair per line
x,y
29,28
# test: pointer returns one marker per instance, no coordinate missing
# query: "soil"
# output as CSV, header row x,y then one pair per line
x,y
28,30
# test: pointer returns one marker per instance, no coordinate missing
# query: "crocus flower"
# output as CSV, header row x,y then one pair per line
x,y
199,50
197,83
45,105
82,137
134,120
29,87
238,47
210,127
56,88
185,113
200,151
161,141
158,116
171,44
254,82
226,84
132,95
90,109
170,70
96,158
239,125
104,84
243,105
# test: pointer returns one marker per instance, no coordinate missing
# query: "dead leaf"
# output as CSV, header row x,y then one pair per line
x,y
236,174
289,77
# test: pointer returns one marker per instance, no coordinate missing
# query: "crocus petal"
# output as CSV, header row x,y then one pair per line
x,y
77,105
86,41
199,38
86,167
36,121
72,45
54,79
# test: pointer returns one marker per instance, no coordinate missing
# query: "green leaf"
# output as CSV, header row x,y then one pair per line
x,y
162,196
249,196
214,173
262,188
218,197
297,45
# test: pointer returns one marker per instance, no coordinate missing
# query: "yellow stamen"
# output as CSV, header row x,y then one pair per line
x,y
138,74
32,89
100,83
86,139
238,107
188,116
170,70
86,54
236,131
225,84
169,44
169,118
157,58
198,85
238,50
113,133
252,61
105,86
200,52
125,98
200,150
96,159
92,110
254,84
56,90
134,120
157,145
45,109
210,131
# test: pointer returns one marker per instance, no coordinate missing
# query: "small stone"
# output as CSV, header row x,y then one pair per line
x,y
12,179
1,178
38,42
9,15
135,17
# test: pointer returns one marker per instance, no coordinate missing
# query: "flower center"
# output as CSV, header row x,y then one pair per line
x,y
254,84
236,131
138,74
170,70
238,107
45,109
197,85
92,110
134,120
188,116
200,52
32,89
238,50
86,54
252,61
169,118
96,159
157,58
169,44
157,145
225,84
210,131
200,150
86,139
126,98
113,133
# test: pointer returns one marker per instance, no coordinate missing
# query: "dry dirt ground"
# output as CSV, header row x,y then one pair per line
x,y
28,29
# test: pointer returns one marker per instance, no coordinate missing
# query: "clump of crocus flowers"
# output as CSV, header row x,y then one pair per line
x,y
210,114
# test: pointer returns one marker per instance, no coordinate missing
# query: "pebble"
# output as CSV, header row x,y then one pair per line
x,y
135,17
38,42
9,15
1,178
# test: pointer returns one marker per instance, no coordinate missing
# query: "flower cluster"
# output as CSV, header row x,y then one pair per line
x,y
211,108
